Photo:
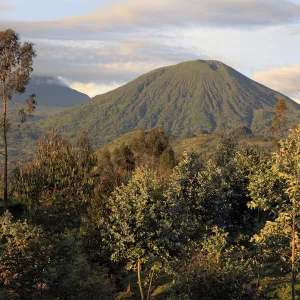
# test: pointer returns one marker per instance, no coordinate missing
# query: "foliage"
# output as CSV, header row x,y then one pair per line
x,y
279,121
142,220
200,230
143,225
38,265
184,189
275,238
25,255
16,60
225,150
281,236
90,284
58,183
152,149
216,271
284,292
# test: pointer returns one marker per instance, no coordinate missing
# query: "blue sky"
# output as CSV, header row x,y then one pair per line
x,y
95,46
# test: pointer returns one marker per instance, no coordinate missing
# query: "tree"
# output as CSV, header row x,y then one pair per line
x,y
25,255
167,161
216,271
143,225
184,186
279,121
16,61
58,183
284,229
149,146
225,151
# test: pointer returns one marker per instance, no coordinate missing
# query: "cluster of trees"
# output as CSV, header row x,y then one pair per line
x,y
117,226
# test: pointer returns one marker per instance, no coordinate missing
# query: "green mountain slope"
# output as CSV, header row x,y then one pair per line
x,y
201,143
186,98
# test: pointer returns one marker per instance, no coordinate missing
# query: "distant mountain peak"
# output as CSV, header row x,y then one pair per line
x,y
52,92
187,98
46,80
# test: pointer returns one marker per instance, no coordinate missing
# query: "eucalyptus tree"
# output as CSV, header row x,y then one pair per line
x,y
16,59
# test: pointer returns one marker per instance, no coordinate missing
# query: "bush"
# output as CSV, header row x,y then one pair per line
x,y
216,272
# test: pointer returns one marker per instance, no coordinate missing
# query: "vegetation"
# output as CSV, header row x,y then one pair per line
x,y
279,121
16,61
137,221
129,223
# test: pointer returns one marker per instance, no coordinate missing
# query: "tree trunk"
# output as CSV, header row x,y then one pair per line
x,y
5,146
5,168
260,257
139,279
259,268
150,283
293,250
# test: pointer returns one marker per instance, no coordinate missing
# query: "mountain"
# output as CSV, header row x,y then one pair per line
x,y
52,92
190,97
52,96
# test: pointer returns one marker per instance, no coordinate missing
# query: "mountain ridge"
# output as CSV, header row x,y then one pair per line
x,y
186,98
52,92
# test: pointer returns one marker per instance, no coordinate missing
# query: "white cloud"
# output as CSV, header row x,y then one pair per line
x,y
132,14
285,80
109,61
127,38
93,89
212,12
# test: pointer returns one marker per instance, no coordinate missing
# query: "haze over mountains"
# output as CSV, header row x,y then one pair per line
x,y
189,97
52,96
53,92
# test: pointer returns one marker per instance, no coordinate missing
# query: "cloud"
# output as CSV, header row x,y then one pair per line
x,y
92,89
6,7
109,61
213,12
126,38
132,14
284,80
46,80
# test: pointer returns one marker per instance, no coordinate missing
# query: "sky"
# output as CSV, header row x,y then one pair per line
x,y
97,45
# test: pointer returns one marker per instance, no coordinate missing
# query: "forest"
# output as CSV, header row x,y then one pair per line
x,y
140,223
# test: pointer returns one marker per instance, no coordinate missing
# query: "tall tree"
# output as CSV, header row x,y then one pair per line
x,y
16,61
279,121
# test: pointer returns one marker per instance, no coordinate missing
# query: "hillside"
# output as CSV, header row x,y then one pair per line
x,y
186,98
201,143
